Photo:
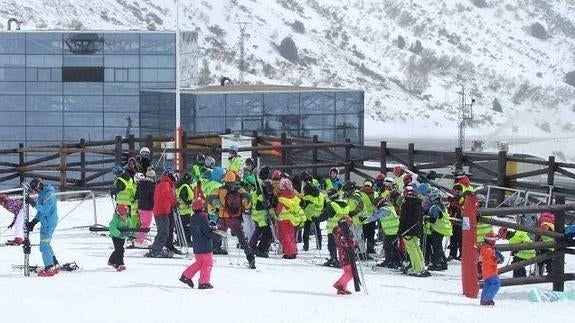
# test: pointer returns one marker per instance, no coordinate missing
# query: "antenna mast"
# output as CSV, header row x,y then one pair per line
x,y
243,25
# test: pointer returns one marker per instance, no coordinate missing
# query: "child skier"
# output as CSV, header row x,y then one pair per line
x,y
202,235
490,257
120,227
14,205
344,245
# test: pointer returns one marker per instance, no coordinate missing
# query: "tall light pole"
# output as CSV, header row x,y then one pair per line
x,y
465,116
178,132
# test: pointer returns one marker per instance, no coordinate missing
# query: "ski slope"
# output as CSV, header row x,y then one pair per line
x,y
277,291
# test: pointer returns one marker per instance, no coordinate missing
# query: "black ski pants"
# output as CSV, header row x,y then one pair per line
x,y
117,256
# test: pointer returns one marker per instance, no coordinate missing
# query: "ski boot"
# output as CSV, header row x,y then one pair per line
x,y
332,262
261,254
187,281
341,290
48,272
205,286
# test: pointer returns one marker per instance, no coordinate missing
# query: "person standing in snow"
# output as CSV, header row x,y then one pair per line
x,y
14,206
290,215
47,215
164,202
410,226
120,227
145,198
202,236
490,257
344,245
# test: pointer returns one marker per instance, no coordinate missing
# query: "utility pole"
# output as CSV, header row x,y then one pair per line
x,y
465,116
243,25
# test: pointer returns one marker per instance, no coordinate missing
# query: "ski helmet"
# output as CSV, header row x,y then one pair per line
x,y
334,170
145,151
117,170
250,163
122,209
37,184
348,186
264,173
210,162
305,176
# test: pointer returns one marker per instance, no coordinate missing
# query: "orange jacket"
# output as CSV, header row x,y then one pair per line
x,y
489,261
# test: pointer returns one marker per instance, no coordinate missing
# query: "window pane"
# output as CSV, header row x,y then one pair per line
x,y
12,60
7,88
12,43
12,102
84,60
158,43
121,88
210,125
44,74
158,85
121,75
121,61
83,104
317,103
83,74
44,43
12,119
74,134
13,133
121,119
349,102
157,75
121,43
35,119
56,75
12,74
210,105
323,135
344,133
44,103
282,123
281,103
243,105
83,88
134,75
347,120
44,60
158,61
83,119
121,104
83,43
319,121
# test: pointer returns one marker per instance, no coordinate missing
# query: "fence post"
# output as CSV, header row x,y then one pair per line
x,y
501,174
118,150
314,156
132,145
383,157
348,165
21,161
551,171
411,157
558,264
284,152
63,167
255,154
458,158
149,142
82,162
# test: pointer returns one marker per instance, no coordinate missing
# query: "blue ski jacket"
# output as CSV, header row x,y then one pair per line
x,y
47,212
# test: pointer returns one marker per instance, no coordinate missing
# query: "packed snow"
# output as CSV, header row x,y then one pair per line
x,y
277,291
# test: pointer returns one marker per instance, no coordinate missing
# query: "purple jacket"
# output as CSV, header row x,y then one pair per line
x,y
14,205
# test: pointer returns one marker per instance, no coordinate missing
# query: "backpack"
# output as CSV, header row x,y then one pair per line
x,y
233,202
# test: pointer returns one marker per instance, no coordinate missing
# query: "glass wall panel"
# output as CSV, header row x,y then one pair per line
x,y
318,121
352,133
8,88
157,75
281,103
157,43
33,88
244,105
324,135
348,102
209,105
347,120
44,103
14,133
86,119
212,125
13,118
122,61
12,60
112,132
121,88
12,102
84,60
12,74
121,119
44,74
35,119
74,134
121,103
43,60
282,123
12,43
44,43
83,103
158,61
157,85
83,88
317,103
121,43
83,43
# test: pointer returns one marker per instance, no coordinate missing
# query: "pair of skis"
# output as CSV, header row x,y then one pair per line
x,y
69,266
352,254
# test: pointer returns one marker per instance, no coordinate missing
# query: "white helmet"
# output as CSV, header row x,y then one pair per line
x,y
138,177
144,151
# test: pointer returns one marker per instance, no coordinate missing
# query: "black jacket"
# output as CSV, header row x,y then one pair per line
x,y
411,216
202,234
145,194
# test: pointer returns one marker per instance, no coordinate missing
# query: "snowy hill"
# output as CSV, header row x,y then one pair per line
x,y
411,57
278,291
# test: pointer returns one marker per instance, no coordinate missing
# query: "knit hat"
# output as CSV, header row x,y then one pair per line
x,y
286,185
151,173
198,205
122,209
490,237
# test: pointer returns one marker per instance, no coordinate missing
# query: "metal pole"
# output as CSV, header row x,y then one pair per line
x,y
178,107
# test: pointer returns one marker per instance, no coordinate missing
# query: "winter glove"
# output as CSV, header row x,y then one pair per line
x,y
499,256
31,225
31,201
213,225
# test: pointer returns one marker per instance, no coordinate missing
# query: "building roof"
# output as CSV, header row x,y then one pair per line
x,y
257,88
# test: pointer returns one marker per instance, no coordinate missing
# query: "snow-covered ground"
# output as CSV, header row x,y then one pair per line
x,y
278,291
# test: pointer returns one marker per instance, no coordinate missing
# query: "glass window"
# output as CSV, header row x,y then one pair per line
x,y
83,103
348,102
14,118
84,60
121,43
83,119
317,121
43,60
281,103
111,132
134,75
210,125
44,103
12,74
56,75
121,61
108,75
157,75
7,88
244,105
121,75
210,105
344,132
121,119
158,61
317,103
121,103
323,135
121,88
44,43
83,88
13,133
44,74
157,85
12,60
12,43
35,119
83,43
74,134
12,102
347,120
31,74
282,123
158,43
83,74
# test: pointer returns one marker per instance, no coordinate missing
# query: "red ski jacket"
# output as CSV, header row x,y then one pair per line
x,y
164,197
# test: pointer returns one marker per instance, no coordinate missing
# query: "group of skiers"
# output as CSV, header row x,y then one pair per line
x,y
260,206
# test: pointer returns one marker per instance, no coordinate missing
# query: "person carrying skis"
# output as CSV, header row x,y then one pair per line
x,y
335,209
145,197
290,216
410,227
120,227
185,197
344,246
202,235
263,205
14,206
489,257
515,237
47,215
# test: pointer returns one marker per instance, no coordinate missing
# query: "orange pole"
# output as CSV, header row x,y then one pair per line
x,y
469,271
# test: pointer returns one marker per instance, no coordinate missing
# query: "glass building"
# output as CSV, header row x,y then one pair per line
x,y
62,86
331,114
